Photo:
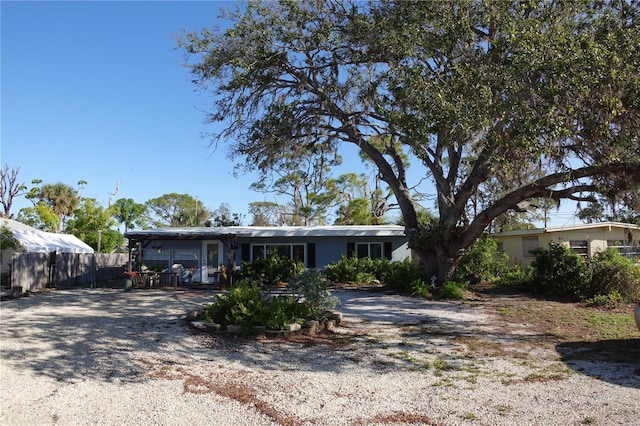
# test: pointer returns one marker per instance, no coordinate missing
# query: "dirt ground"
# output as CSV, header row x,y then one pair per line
x,y
495,358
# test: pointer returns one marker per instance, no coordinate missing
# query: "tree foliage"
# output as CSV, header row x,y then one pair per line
x,y
303,175
128,213
614,206
473,92
61,198
222,216
176,210
7,240
266,213
40,216
358,203
94,225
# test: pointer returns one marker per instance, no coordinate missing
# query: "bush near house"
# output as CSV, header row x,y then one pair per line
x,y
313,286
402,276
607,278
615,276
407,277
272,270
482,262
7,240
559,271
358,271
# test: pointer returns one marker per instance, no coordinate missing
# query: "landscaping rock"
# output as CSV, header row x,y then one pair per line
x,y
212,326
259,330
292,327
233,328
199,325
314,327
193,315
205,326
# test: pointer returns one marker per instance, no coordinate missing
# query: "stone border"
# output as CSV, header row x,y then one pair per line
x,y
311,328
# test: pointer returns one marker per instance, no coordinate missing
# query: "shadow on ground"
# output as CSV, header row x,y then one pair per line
x,y
109,334
613,361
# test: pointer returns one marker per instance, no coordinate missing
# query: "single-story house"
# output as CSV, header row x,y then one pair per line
x,y
203,251
586,240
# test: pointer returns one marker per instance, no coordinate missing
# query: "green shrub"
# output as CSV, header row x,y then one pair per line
x,y
343,271
613,274
313,286
271,270
381,268
282,310
403,276
419,288
560,272
516,278
611,301
355,270
248,306
483,261
407,277
451,290
244,305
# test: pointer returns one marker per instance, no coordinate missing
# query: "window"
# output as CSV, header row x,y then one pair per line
x,y
580,247
156,258
372,250
295,252
188,258
529,244
616,244
627,250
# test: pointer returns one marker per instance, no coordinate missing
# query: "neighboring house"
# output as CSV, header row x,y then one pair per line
x,y
204,251
586,240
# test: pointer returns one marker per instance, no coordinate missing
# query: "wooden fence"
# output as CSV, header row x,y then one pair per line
x,y
36,271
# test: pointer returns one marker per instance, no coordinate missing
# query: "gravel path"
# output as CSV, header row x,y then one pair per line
x,y
105,357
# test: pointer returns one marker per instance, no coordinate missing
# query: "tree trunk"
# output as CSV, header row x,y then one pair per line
x,y
440,249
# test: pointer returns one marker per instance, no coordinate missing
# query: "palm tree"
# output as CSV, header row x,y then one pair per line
x,y
62,199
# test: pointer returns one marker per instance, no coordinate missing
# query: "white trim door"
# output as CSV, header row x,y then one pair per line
x,y
211,260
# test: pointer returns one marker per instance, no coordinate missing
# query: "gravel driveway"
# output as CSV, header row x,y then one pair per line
x,y
105,357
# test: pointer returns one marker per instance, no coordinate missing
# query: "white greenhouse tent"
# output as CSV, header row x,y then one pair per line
x,y
35,241
30,267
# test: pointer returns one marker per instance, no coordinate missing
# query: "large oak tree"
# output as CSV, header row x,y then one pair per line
x,y
473,91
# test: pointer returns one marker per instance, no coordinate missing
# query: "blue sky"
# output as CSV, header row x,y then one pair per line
x,y
97,91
